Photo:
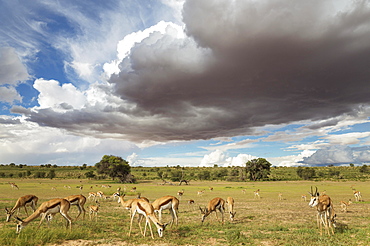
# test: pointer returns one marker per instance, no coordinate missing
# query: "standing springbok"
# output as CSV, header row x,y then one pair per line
x,y
357,195
213,205
230,205
257,194
325,211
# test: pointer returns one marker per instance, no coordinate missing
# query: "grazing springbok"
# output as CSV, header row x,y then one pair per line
x,y
144,208
57,205
93,211
78,201
167,202
230,205
191,204
213,205
24,201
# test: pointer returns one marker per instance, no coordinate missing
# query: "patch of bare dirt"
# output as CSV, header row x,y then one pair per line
x,y
102,242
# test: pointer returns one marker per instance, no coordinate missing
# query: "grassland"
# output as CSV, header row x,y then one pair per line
x,y
265,221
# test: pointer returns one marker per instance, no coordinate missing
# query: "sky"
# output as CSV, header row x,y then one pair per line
x,y
185,82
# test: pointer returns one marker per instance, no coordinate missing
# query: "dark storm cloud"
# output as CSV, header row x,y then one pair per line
x,y
267,63
243,64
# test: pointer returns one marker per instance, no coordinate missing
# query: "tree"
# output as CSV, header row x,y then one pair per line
x,y
51,174
90,174
115,167
364,169
204,175
176,175
306,173
257,169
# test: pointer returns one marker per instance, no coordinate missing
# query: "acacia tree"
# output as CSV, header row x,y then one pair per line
x,y
306,173
115,167
257,169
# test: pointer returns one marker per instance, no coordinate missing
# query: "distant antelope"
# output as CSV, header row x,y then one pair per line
x,y
94,209
303,197
257,194
180,193
210,188
13,185
92,196
191,203
357,195
344,205
280,196
200,192
244,191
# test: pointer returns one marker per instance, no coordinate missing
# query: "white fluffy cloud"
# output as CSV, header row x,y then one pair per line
x,y
29,141
219,158
56,96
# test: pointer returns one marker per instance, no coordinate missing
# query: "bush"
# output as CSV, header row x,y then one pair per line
x,y
306,173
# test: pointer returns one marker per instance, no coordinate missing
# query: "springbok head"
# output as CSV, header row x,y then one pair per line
x,y
314,197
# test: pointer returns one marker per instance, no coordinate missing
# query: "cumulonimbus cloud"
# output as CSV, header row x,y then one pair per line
x,y
240,65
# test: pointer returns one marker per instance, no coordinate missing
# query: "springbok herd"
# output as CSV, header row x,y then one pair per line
x,y
153,211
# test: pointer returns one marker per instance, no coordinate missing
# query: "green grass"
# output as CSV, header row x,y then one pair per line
x,y
265,221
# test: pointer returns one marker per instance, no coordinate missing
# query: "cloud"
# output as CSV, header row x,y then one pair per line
x,y
338,154
291,160
239,160
9,94
12,70
348,138
53,95
219,158
240,66
21,140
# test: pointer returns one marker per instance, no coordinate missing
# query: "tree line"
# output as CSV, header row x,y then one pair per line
x,y
118,169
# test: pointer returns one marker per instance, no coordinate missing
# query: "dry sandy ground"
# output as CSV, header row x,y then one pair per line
x,y
102,242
